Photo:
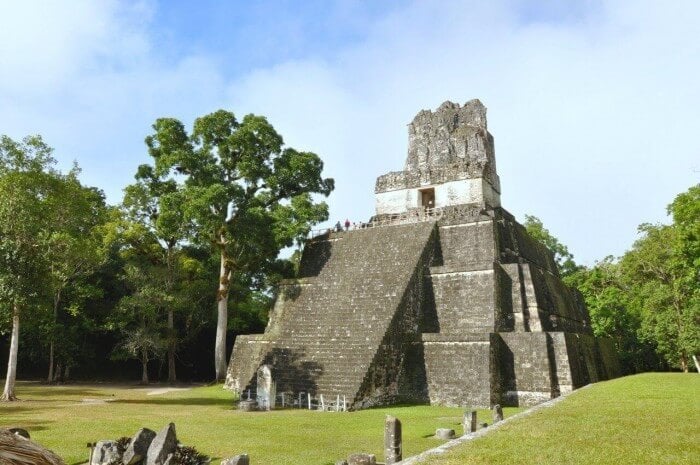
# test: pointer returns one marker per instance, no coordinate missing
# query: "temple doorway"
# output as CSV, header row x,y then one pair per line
x,y
427,198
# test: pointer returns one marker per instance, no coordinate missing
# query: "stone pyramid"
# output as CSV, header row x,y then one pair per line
x,y
441,297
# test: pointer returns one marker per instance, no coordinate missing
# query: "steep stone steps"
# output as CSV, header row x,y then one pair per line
x,y
327,328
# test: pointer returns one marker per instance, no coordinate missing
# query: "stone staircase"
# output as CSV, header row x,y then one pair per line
x,y
328,325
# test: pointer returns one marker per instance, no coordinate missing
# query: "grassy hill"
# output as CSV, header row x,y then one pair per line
x,y
653,418
649,418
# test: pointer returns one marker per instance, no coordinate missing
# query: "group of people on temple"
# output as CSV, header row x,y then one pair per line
x,y
348,225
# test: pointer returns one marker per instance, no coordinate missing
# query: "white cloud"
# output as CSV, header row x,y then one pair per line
x,y
593,119
88,79
594,116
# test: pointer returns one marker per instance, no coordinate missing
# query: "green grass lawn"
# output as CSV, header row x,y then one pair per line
x,y
57,418
652,418
649,418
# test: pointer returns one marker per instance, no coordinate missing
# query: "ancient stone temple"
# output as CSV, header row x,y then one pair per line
x,y
441,297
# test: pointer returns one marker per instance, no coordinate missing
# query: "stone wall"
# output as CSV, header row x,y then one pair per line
x,y
406,195
451,135
458,370
465,301
449,151
468,244
526,369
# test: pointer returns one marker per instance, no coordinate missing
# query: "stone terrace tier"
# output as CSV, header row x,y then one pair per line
x,y
462,310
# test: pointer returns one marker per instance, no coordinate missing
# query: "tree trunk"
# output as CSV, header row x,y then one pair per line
x,y
172,336
172,377
58,371
9,392
56,301
49,378
221,320
697,363
144,364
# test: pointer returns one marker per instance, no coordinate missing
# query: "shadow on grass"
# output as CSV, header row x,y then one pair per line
x,y
35,407
57,391
206,401
10,409
31,426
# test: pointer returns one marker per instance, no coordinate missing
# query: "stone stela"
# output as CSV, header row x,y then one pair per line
x,y
446,300
266,392
392,440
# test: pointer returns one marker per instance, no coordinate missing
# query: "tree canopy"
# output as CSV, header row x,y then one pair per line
x,y
245,194
648,300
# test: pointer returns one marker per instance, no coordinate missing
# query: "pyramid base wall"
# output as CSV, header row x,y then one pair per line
x,y
512,369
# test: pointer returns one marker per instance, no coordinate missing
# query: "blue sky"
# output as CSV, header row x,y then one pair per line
x,y
593,105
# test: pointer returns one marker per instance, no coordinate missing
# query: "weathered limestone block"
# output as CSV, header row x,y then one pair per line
x,y
105,451
138,447
445,433
497,413
266,392
237,460
452,135
163,444
469,422
247,405
392,440
362,459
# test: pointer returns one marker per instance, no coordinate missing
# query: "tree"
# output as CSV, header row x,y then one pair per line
x,y
685,211
247,195
137,317
607,297
156,204
74,251
663,273
27,181
562,257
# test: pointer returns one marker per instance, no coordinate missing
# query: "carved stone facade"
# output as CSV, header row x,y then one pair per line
x,y
450,158
440,300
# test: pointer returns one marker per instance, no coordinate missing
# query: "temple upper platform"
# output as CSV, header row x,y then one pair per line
x,y
450,161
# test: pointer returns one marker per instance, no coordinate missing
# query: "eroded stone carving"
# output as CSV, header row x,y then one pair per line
x,y
452,143
266,391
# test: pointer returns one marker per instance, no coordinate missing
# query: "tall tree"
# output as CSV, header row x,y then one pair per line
x,y
27,180
73,250
248,196
155,202
663,273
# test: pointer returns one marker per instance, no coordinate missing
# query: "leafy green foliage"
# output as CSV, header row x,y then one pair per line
x,y
649,300
607,297
242,192
27,185
663,275
562,257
